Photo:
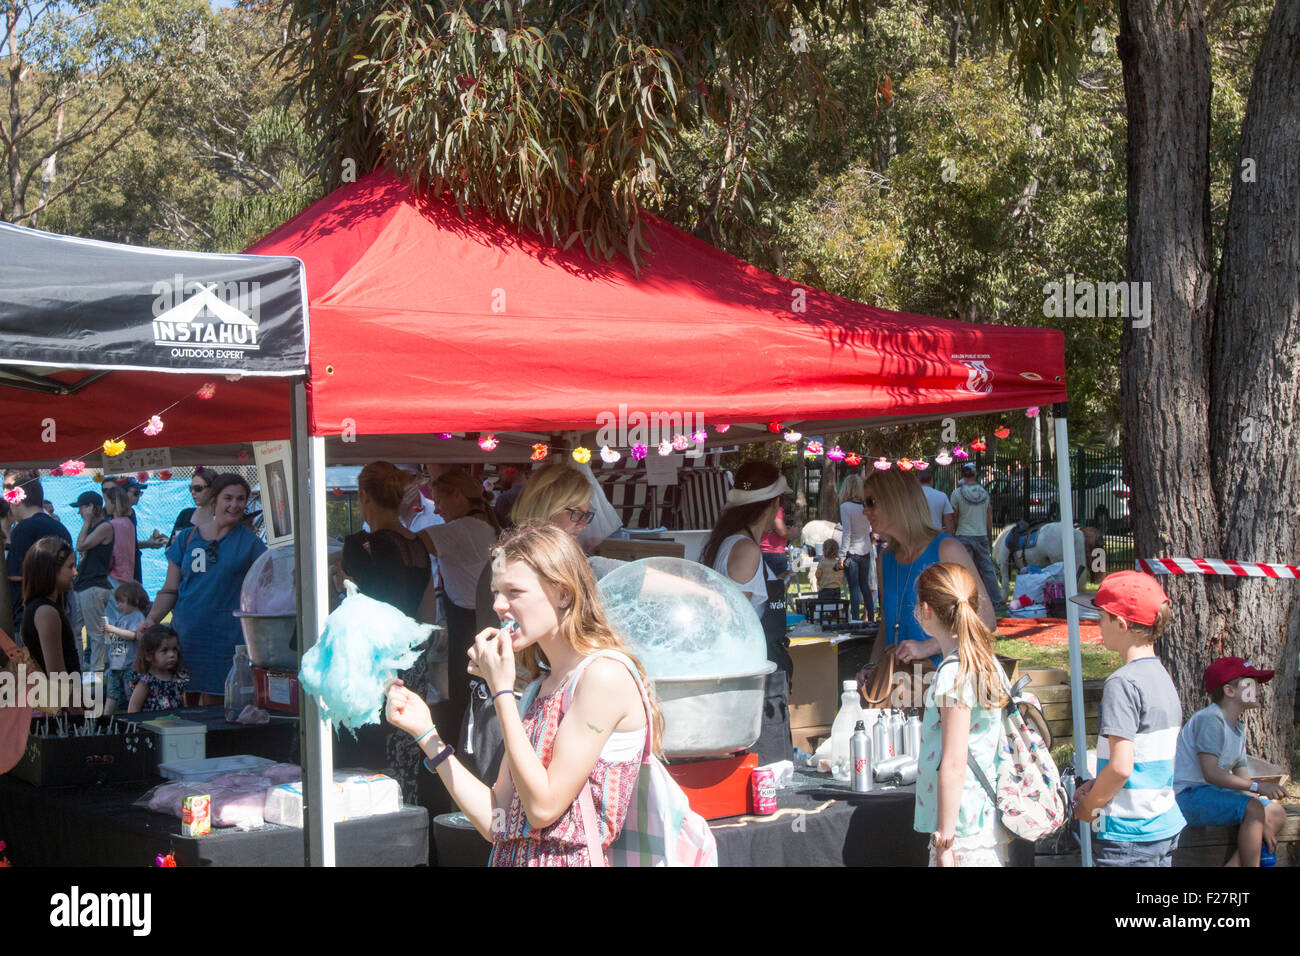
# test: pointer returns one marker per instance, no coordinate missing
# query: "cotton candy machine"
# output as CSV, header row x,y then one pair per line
x,y
701,644
268,611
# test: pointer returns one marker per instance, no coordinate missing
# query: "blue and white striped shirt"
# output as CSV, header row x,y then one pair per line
x,y
1139,703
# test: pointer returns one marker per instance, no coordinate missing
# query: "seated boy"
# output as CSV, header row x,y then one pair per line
x,y
1211,778
1131,802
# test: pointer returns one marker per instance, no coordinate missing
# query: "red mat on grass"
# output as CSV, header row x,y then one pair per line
x,y
1047,631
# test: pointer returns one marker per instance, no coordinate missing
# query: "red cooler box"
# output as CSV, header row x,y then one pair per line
x,y
276,690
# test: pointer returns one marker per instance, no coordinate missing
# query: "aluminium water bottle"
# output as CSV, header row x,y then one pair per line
x,y
880,744
860,758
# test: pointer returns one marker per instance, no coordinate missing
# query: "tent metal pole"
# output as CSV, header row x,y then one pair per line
x,y
316,743
1059,413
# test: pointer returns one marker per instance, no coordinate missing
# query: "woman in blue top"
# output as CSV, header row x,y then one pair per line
x,y
899,513
204,577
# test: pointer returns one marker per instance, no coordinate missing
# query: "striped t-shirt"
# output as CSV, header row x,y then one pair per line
x,y
1139,703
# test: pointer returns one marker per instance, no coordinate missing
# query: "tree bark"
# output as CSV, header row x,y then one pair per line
x,y
1165,368
1255,385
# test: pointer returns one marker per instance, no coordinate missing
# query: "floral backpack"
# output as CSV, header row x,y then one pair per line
x,y
1030,800
660,829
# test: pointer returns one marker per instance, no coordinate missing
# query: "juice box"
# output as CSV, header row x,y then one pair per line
x,y
196,815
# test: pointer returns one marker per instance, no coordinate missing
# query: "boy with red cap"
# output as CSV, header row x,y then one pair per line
x,y
1211,779
1131,804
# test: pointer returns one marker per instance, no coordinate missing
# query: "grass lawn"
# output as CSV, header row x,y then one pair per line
x,y
1098,662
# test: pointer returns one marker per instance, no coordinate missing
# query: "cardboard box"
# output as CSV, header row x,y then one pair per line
x,y
808,739
815,687
633,549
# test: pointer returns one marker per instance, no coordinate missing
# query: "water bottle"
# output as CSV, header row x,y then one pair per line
x,y
1265,857
912,737
896,724
860,758
239,685
880,741
842,729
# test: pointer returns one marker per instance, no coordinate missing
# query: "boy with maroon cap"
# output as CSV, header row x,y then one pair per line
x,y
1131,804
1211,778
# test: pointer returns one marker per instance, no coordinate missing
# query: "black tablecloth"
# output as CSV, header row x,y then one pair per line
x,y
813,826
99,826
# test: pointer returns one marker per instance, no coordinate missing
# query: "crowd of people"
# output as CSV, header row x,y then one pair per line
x,y
543,717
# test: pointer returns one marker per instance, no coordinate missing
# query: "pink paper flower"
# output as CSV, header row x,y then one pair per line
x,y
154,427
836,454
207,391
881,464
721,429
813,449
488,442
73,467
943,458
639,452
15,495
1031,412
665,448
680,443
792,436
699,436
444,436
921,464
959,453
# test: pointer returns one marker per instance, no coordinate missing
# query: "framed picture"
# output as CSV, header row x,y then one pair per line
x,y
272,459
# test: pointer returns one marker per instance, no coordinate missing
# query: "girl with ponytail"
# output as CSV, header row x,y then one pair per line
x,y
962,716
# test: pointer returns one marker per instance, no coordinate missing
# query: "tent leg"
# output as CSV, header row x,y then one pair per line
x,y
1069,558
316,742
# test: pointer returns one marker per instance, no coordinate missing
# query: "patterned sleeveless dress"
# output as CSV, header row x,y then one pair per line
x,y
564,842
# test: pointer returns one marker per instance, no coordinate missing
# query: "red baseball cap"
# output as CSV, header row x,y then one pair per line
x,y
1132,595
1227,669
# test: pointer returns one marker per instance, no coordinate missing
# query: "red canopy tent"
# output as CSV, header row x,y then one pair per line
x,y
423,321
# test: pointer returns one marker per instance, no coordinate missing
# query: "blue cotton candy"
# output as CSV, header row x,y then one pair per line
x,y
366,642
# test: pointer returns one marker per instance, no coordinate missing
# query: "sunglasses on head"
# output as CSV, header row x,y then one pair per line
x,y
580,517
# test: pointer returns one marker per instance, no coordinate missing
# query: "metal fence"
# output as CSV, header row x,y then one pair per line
x,y
1026,487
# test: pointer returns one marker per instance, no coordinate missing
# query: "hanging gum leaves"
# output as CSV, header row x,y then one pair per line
x,y
556,117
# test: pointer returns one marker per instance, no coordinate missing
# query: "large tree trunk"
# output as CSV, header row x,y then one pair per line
x,y
1255,384
1165,367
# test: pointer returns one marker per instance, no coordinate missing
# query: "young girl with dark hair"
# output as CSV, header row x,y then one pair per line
x,y
158,680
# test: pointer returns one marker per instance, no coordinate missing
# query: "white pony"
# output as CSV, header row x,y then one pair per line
x,y
1045,550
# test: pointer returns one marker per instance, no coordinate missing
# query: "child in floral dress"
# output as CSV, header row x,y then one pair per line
x,y
157,682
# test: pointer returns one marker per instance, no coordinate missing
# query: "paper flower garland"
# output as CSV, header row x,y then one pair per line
x,y
721,429
154,427
15,495
680,443
207,391
921,465
699,436
73,467
488,442
959,453
978,445
1002,431
836,454
792,436
1031,412
812,449
665,448
774,427
608,455
853,459
881,464
639,452
905,464
113,448
164,475
943,458
540,451
582,455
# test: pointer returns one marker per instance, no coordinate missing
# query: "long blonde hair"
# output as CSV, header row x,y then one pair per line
x,y
558,560
953,595
852,489
550,489
899,495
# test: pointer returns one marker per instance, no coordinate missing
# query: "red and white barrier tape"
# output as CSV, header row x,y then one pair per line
x,y
1241,569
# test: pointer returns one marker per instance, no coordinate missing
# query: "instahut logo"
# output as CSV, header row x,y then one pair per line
x,y
206,319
